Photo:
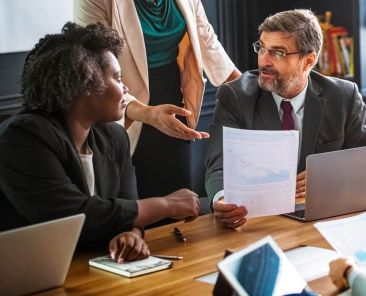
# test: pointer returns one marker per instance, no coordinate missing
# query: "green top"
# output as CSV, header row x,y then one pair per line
x,y
164,27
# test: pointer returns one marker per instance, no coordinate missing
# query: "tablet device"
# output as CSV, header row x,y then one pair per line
x,y
261,269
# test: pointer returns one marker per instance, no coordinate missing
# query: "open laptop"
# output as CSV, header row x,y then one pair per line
x,y
37,257
335,185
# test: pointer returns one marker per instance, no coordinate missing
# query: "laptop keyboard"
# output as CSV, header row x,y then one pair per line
x,y
299,213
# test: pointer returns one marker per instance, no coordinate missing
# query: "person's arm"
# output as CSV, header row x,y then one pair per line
x,y
91,11
357,282
216,63
182,204
355,126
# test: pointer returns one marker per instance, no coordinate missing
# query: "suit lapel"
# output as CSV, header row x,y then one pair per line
x,y
125,12
75,167
313,117
268,112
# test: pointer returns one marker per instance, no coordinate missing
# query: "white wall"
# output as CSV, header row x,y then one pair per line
x,y
24,22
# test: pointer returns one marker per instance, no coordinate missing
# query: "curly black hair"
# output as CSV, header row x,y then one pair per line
x,y
62,67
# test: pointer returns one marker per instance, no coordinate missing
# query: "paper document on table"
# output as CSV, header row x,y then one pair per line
x,y
346,236
260,170
311,262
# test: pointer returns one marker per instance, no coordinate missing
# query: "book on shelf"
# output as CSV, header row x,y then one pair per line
x,y
133,268
346,47
336,56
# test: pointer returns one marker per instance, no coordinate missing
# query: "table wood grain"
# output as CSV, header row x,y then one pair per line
x,y
206,242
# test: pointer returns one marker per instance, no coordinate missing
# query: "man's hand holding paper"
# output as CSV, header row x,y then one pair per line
x,y
231,215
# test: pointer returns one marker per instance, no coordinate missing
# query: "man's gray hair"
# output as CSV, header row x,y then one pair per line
x,y
299,23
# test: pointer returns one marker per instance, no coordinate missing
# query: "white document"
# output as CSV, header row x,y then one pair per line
x,y
347,236
210,278
260,170
311,262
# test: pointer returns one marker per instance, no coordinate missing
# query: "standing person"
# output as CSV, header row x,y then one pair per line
x,y
285,93
64,155
169,45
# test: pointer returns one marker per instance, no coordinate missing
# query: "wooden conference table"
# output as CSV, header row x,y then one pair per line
x,y
205,246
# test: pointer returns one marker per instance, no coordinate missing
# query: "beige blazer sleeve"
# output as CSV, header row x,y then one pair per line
x,y
88,11
216,63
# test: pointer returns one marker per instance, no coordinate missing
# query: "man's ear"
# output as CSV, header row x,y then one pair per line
x,y
310,61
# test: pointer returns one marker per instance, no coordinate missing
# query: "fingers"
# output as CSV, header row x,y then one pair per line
x,y
128,247
337,272
237,223
301,184
167,123
301,176
113,248
172,109
220,206
196,210
204,135
300,195
175,128
184,205
231,215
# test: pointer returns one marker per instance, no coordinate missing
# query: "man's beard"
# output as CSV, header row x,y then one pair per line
x,y
281,85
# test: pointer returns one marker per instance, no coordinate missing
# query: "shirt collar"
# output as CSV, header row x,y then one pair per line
x,y
296,102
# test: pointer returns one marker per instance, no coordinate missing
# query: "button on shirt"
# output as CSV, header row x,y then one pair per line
x,y
297,103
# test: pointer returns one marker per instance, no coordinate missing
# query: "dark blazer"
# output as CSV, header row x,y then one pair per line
x,y
42,177
334,118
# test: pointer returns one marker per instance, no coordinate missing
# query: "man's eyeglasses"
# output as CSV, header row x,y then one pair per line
x,y
274,53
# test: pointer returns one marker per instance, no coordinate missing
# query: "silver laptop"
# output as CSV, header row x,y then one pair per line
x,y
37,257
335,185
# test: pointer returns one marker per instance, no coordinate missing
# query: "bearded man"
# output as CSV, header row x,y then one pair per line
x,y
285,93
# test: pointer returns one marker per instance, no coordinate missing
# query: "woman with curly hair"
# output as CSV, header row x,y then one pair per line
x,y
62,154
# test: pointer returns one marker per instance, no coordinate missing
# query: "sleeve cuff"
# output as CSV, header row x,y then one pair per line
x,y
352,276
217,196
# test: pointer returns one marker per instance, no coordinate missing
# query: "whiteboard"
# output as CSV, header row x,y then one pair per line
x,y
24,22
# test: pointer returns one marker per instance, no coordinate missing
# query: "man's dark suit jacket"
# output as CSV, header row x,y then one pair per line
x,y
334,118
42,176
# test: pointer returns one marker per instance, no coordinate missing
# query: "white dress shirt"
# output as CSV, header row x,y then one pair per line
x,y
298,106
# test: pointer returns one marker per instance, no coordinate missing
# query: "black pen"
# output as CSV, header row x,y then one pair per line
x,y
179,235
168,257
